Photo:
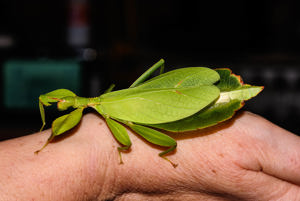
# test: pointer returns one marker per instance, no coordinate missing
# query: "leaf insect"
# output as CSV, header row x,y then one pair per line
x,y
179,100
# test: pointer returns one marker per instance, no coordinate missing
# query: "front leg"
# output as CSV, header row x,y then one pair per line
x,y
53,97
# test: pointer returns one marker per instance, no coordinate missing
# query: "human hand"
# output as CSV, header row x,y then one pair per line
x,y
247,158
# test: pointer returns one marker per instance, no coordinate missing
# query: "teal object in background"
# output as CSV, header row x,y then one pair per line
x,y
25,80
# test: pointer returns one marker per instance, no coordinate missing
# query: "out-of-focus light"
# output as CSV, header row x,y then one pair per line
x,y
6,41
292,76
89,54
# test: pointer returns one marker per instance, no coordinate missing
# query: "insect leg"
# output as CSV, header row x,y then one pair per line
x,y
118,131
157,138
120,134
52,97
145,75
48,141
110,88
42,111
63,124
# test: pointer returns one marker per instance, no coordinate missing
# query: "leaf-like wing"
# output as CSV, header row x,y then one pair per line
x,y
208,117
232,97
152,106
179,78
184,77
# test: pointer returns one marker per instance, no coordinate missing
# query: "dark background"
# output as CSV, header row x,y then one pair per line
x,y
119,39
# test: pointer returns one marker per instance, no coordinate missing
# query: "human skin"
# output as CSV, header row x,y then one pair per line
x,y
246,158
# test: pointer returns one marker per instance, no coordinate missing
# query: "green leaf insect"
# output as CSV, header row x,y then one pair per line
x,y
180,100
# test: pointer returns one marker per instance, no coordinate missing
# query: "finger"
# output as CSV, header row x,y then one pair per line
x,y
277,150
253,185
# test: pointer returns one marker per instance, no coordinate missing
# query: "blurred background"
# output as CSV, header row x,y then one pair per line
x,y
85,45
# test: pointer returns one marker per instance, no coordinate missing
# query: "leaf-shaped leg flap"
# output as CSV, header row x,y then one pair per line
x,y
157,138
59,93
120,134
66,122
63,124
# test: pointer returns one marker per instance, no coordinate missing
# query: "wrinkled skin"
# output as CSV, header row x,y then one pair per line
x,y
246,158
